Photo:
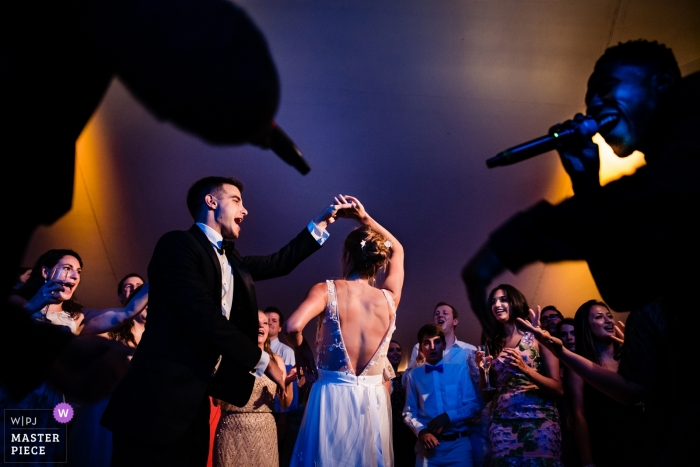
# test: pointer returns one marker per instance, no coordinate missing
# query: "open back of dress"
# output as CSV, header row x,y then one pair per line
x,y
331,353
347,421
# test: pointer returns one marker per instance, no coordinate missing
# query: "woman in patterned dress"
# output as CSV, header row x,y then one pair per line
x,y
348,415
524,428
247,436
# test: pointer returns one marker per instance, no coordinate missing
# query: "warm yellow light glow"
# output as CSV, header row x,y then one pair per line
x,y
98,221
569,284
611,168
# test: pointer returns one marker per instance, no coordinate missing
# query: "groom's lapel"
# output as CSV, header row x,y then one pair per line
x,y
206,244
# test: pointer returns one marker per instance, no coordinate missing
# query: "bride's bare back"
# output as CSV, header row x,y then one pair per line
x,y
365,317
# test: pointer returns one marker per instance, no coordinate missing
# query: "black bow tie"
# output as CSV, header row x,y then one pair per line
x,y
226,247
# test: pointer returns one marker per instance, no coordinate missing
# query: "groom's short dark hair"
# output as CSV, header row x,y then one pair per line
x,y
204,186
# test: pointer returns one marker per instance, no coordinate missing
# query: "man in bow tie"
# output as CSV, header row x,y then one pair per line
x,y
202,330
440,400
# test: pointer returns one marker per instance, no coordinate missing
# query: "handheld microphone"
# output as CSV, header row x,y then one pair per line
x,y
284,147
521,152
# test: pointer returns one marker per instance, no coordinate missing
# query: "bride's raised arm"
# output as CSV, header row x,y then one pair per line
x,y
394,276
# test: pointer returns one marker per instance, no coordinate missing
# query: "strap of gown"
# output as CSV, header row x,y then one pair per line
x,y
329,338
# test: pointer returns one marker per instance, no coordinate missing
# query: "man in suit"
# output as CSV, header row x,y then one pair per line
x,y
202,329
202,65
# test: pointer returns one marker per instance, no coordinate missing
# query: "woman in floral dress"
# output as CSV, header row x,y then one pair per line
x,y
524,428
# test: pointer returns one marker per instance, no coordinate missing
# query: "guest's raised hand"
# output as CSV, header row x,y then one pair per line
x,y
48,294
554,344
535,316
619,335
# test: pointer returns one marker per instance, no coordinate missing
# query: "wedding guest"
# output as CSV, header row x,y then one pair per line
x,y
569,452
248,435
550,318
605,430
90,444
524,419
565,332
49,296
128,285
455,351
288,420
445,316
440,399
403,439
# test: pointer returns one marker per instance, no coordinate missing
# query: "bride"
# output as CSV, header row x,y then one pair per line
x,y
348,415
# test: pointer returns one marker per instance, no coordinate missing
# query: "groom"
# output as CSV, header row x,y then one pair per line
x,y
202,330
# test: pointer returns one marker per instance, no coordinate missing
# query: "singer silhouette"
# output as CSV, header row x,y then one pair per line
x,y
641,254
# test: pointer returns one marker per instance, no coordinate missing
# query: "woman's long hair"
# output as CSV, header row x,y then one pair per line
x,y
518,309
365,252
585,344
36,279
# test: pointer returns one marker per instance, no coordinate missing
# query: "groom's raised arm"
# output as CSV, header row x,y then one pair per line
x,y
301,247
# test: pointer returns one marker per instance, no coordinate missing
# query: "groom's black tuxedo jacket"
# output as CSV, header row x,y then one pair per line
x,y
171,372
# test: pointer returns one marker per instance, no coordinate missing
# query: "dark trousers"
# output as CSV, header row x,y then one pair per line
x,y
191,450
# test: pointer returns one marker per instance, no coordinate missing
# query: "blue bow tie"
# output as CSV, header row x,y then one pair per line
x,y
429,368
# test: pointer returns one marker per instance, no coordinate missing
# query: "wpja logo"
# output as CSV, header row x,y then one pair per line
x,y
37,435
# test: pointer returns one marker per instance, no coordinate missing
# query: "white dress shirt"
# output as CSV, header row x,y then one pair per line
x,y
431,394
284,351
216,240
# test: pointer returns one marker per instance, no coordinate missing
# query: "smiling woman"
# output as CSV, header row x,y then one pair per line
x,y
601,424
524,428
49,294
248,435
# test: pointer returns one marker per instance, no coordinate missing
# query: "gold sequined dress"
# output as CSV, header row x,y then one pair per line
x,y
248,435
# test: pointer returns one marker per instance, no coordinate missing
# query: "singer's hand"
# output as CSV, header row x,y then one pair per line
x,y
579,157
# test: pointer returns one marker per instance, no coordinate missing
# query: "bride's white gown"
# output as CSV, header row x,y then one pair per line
x,y
347,421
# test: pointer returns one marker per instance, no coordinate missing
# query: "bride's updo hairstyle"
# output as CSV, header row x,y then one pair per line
x,y
365,252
